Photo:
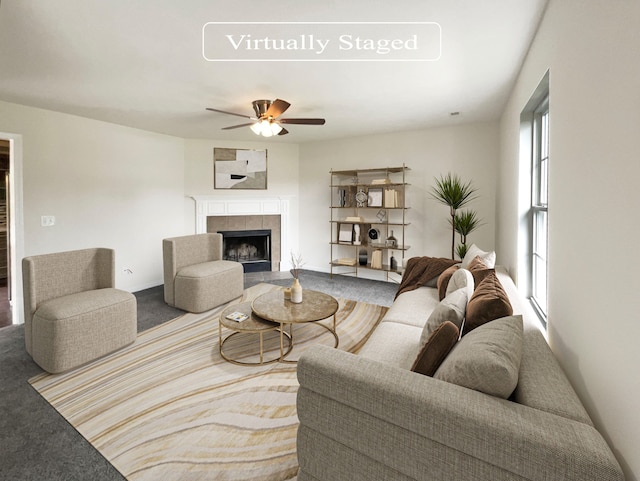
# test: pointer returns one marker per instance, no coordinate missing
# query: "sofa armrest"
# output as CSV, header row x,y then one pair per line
x,y
426,429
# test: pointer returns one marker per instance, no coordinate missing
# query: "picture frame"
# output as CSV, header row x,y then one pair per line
x,y
374,197
345,233
239,169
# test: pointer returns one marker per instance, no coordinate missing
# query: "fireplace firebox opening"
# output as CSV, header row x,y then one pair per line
x,y
252,248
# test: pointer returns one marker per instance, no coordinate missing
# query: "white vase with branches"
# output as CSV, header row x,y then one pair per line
x,y
296,288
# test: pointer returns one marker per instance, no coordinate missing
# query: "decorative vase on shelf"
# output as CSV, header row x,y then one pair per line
x,y
391,241
362,257
296,291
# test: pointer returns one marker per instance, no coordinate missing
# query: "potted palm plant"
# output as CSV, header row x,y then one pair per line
x,y
453,192
464,223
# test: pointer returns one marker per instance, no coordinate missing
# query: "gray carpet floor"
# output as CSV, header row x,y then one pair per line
x,y
37,443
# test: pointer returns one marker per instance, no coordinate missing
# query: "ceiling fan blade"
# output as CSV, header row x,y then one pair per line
x,y
237,126
231,113
302,121
283,131
277,108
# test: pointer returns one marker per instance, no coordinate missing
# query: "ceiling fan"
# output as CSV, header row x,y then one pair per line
x,y
266,121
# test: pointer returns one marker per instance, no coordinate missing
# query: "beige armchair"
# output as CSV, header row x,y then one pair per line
x,y
196,278
72,312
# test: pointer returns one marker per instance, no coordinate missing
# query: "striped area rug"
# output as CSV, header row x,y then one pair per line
x,y
168,407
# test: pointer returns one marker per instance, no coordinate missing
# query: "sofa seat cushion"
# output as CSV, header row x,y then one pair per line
x,y
393,343
487,359
413,307
72,330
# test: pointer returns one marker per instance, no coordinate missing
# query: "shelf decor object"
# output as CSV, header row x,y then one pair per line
x,y
346,233
373,224
374,198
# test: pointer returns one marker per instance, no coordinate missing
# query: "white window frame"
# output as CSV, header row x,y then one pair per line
x,y
539,239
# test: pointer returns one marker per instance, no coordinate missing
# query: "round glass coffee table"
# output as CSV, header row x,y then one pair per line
x,y
251,325
315,306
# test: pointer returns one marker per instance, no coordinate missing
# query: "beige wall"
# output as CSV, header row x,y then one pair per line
x,y
106,185
591,51
469,150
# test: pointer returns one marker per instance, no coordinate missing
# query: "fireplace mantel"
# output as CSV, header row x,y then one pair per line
x,y
212,205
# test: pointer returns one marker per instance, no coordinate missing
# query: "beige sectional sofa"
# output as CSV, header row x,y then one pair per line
x,y
368,417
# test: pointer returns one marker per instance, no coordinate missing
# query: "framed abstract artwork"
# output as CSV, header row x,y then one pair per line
x,y
239,169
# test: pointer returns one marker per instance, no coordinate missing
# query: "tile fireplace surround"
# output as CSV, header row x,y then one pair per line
x,y
215,214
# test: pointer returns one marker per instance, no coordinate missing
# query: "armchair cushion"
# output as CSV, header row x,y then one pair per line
x,y
85,326
201,287
196,278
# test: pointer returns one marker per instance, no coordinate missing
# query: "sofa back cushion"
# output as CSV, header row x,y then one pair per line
x,y
487,359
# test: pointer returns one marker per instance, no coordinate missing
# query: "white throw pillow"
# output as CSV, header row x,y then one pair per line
x,y
451,308
461,279
489,258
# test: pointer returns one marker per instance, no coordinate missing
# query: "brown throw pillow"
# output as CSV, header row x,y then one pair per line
x,y
436,349
443,280
478,269
488,302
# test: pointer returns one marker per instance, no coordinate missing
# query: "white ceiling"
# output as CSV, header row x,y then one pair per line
x,y
139,63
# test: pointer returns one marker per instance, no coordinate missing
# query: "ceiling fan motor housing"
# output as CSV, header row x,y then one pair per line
x,y
260,107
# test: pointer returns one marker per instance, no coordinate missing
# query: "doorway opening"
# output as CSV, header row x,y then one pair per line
x,y
6,317
12,148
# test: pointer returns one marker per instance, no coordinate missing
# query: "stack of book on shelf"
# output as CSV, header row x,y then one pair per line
x,y
345,261
376,259
342,197
390,198
353,218
380,181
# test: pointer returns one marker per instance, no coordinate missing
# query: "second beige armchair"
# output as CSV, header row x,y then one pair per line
x,y
196,278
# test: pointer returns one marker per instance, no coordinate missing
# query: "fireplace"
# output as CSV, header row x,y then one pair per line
x,y
217,214
252,248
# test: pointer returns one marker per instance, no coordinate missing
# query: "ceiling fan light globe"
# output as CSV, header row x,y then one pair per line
x,y
275,128
265,128
257,128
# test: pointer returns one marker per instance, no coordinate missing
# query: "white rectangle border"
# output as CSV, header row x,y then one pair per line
x,y
320,59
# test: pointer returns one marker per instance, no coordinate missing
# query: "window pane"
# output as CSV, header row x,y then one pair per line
x,y
543,182
539,267
544,157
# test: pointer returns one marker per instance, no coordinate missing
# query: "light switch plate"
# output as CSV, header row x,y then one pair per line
x,y
47,220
